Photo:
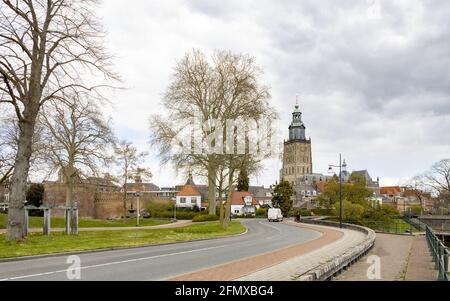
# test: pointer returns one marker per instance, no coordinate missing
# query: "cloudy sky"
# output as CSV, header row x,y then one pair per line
x,y
373,76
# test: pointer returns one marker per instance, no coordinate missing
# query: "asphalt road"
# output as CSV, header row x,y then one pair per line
x,y
161,262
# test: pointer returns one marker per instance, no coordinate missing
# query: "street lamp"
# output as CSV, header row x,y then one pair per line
x,y
340,166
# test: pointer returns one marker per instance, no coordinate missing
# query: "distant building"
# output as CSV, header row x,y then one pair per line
x,y
370,183
404,198
189,196
262,195
4,192
297,154
243,203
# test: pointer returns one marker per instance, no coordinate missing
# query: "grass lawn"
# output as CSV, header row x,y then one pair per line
x,y
93,240
397,225
58,222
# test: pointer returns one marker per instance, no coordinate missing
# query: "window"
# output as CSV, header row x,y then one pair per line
x,y
183,200
236,211
193,200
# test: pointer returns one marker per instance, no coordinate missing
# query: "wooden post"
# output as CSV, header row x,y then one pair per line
x,y
75,221
27,223
47,221
68,220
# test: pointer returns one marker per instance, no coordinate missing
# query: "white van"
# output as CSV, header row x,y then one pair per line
x,y
275,215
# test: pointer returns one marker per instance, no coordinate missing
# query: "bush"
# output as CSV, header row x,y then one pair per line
x,y
303,212
261,212
320,211
166,210
205,218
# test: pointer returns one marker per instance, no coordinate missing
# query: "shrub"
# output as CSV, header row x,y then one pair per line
x,y
261,212
320,211
205,218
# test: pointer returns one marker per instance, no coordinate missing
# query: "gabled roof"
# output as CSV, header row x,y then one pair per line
x,y
238,198
188,190
390,190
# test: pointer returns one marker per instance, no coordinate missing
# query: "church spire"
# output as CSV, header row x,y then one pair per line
x,y
297,128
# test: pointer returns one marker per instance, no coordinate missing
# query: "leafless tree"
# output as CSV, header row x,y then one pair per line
x,y
437,179
128,158
217,90
78,139
47,48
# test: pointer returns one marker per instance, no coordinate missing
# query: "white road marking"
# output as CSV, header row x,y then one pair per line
x,y
111,263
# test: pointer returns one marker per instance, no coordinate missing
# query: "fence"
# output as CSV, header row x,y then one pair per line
x,y
439,253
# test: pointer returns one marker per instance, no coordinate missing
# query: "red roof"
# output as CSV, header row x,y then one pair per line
x,y
238,198
392,190
188,190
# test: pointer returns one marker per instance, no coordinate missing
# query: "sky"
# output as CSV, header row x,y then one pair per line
x,y
373,77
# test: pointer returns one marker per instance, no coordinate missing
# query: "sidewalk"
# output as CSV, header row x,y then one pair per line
x,y
402,258
178,224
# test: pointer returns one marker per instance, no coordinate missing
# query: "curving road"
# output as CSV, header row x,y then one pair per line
x,y
163,262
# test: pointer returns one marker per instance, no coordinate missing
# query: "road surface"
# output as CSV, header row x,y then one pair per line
x,y
162,262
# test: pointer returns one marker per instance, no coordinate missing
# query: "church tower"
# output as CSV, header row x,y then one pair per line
x,y
297,155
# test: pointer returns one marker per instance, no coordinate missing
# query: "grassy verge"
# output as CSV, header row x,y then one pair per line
x,y
58,222
394,225
93,240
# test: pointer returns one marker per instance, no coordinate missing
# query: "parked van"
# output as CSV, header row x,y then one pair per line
x,y
275,215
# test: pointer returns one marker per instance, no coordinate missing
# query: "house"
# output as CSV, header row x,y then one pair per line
x,y
262,195
189,197
243,203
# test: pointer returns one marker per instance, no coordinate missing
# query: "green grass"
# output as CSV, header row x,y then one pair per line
x,y
397,226
93,240
58,222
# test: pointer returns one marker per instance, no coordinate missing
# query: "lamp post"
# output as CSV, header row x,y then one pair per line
x,y
175,210
138,213
340,166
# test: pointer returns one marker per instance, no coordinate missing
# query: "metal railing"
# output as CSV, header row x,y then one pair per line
x,y
440,254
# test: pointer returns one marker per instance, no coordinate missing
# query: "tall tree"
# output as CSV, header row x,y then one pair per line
x,y
243,181
128,158
78,139
47,48
282,196
226,87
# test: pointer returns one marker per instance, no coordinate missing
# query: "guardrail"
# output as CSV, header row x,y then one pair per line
x,y
440,254
343,261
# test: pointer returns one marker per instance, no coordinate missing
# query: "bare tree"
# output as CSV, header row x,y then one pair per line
x,y
437,179
128,158
217,90
47,48
78,140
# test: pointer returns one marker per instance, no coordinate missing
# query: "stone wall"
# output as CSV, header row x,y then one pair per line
x,y
84,195
92,203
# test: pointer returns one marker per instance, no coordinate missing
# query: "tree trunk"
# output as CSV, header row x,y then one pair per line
x,y
227,218
211,189
16,211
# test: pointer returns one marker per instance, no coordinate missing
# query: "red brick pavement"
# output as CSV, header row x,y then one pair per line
x,y
243,267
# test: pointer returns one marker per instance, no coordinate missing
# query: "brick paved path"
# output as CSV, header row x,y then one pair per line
x,y
249,266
